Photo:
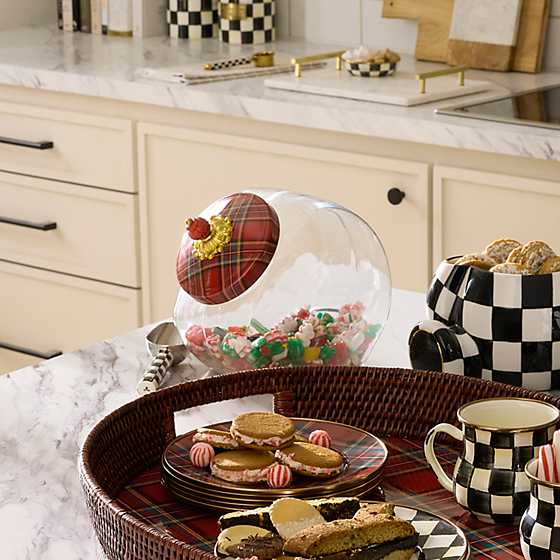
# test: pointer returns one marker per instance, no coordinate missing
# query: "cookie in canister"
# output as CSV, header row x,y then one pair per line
x,y
532,255
509,268
478,260
552,264
500,249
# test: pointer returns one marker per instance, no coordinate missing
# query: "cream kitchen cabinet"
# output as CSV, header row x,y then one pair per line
x,y
44,313
181,171
472,208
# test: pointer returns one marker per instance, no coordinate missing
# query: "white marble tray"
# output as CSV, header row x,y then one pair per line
x,y
399,89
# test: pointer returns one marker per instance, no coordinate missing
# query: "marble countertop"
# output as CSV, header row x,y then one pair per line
x,y
100,66
47,410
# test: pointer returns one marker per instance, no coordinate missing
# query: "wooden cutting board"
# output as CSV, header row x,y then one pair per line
x,y
484,33
434,21
529,51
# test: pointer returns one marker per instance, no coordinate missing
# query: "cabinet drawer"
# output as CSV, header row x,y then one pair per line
x,y
86,149
218,165
93,233
45,311
472,208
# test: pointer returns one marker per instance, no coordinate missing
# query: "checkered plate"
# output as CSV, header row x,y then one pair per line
x,y
365,454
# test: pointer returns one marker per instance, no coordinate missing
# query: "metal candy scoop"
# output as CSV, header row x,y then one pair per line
x,y
167,349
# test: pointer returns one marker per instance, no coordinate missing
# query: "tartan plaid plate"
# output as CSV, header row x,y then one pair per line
x,y
407,480
365,456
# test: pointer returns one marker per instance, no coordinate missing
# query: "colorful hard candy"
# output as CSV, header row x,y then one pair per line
x,y
295,350
235,346
311,354
279,476
201,455
321,438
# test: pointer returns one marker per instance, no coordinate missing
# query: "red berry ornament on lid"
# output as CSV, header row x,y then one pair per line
x,y
279,476
320,438
201,454
198,228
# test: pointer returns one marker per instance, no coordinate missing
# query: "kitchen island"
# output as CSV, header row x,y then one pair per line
x,y
47,411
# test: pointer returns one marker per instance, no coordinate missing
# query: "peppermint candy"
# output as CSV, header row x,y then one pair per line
x,y
201,454
321,438
547,464
279,476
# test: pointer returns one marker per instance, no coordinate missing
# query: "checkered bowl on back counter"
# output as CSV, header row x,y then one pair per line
x,y
193,19
539,531
370,69
514,320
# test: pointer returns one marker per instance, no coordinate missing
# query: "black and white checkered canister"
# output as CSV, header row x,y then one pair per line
x,y
489,477
513,319
257,27
193,19
539,531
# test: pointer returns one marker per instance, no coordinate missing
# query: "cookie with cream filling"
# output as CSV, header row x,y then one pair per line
x,y
244,466
262,430
311,460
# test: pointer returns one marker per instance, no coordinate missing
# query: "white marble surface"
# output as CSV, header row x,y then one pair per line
x,y
98,66
46,411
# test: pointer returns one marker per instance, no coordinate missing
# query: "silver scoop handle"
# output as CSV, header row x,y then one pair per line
x,y
153,377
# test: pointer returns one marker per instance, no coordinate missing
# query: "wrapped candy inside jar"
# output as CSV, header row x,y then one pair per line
x,y
273,278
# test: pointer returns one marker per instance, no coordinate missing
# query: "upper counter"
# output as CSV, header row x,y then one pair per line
x,y
101,66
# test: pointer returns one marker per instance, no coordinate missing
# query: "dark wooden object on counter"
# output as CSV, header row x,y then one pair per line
x,y
386,402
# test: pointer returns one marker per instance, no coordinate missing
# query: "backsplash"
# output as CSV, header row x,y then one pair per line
x,y
353,22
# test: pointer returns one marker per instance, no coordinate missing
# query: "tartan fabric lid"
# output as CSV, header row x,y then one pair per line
x,y
255,230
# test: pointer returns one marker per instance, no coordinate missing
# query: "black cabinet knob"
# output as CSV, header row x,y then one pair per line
x,y
395,196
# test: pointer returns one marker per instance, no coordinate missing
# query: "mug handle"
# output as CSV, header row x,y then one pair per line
x,y
430,454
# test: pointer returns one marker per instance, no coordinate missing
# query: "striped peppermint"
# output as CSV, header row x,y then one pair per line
x,y
201,454
321,438
547,464
279,476
556,447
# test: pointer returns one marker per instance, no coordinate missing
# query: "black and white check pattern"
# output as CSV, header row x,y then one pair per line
x,y
540,526
193,19
514,320
258,27
436,537
441,348
370,70
489,477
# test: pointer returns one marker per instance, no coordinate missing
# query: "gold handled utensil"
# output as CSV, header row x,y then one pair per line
x,y
263,59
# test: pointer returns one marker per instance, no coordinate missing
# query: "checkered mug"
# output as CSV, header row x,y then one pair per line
x,y
501,327
539,531
500,436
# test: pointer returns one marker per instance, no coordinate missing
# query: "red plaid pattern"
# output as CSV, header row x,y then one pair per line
x,y
256,230
408,480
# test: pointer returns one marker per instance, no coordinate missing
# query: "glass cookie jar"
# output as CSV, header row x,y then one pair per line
x,y
272,278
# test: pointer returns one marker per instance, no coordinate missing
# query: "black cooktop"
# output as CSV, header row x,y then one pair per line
x,y
535,108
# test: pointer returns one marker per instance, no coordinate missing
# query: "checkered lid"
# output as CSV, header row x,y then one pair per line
x,y
223,256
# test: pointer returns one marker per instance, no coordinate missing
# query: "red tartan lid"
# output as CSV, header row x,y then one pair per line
x,y
222,257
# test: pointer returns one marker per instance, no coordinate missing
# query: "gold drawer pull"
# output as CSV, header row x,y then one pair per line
x,y
425,76
297,62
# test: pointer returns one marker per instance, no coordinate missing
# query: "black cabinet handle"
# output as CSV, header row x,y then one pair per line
x,y
395,196
45,226
44,145
30,351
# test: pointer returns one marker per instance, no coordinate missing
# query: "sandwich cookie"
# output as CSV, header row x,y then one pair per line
x,y
262,430
311,460
242,466
216,438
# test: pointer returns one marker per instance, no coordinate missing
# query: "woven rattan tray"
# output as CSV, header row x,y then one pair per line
x,y
386,402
